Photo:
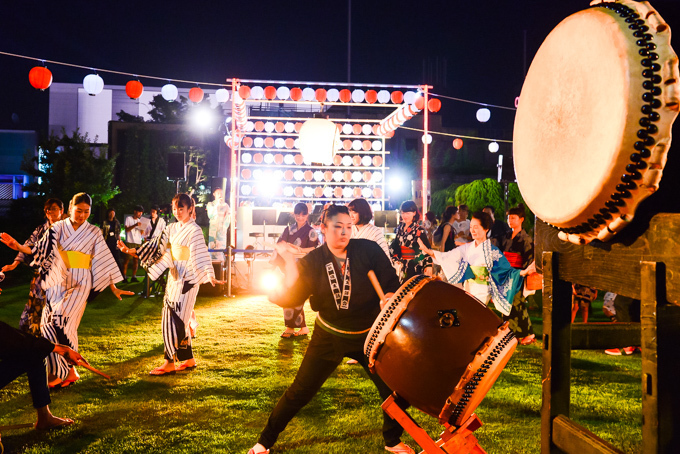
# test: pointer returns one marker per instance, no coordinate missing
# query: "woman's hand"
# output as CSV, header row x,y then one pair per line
x,y
70,355
117,292
10,267
426,250
287,251
214,281
126,250
530,269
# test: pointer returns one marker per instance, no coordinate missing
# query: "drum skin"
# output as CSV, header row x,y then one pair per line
x,y
593,125
424,362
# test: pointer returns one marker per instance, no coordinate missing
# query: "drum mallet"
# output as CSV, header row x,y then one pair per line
x,y
378,289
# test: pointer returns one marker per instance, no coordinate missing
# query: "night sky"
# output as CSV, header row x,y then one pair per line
x,y
481,41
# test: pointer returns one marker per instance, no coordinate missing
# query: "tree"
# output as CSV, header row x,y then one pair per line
x,y
480,193
70,164
168,111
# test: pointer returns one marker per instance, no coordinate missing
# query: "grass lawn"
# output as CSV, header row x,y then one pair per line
x,y
244,367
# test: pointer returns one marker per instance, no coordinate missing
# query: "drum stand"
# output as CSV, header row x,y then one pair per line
x,y
458,440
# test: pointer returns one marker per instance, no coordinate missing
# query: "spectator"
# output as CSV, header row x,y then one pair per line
x,y
499,228
461,227
134,229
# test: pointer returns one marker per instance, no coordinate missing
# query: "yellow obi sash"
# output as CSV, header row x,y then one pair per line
x,y
481,274
75,259
179,253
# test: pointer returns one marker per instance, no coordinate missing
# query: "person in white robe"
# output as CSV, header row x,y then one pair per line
x,y
361,214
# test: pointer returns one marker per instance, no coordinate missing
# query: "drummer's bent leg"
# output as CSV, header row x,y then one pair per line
x,y
391,429
37,377
317,365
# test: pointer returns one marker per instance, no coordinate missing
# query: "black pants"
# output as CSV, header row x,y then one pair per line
x,y
36,369
324,353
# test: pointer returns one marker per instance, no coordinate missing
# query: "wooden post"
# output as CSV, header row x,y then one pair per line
x,y
556,350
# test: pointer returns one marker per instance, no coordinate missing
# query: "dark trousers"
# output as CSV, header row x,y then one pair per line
x,y
324,353
35,368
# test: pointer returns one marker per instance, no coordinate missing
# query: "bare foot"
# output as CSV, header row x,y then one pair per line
x,y
166,368
46,420
302,332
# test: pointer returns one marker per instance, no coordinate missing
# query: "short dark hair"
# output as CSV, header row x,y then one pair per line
x,y
81,197
156,207
110,210
490,208
300,208
518,211
483,218
462,206
54,201
138,208
183,200
363,209
430,216
332,211
410,206
449,212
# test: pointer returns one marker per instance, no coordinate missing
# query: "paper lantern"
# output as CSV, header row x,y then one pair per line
x,y
269,126
257,92
337,159
245,173
270,92
318,175
383,96
308,94
278,158
246,189
288,175
288,159
356,145
347,176
298,159
419,102
259,126
332,95
196,94
257,174
244,91
377,176
295,94
375,129
298,127
483,115
376,145
328,175
269,142
366,161
366,129
367,192
247,142
288,191
222,95
258,142
397,97
347,128
493,147
279,142
357,192
268,158
328,192
377,193
307,191
434,105
356,161
358,95
298,191
257,158
308,175
93,84
283,93
366,145
458,143
246,158
298,175
169,92
345,95
367,176
356,176
346,144
371,96
40,78
346,160
410,97
289,127
337,176
318,140
356,129
278,173
279,126
320,94
337,192
290,143
347,192
426,138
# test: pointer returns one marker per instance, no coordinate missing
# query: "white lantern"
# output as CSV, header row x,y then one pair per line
x,y
483,115
377,176
332,95
257,174
269,126
289,127
283,93
308,94
288,191
358,95
93,84
328,192
222,95
366,161
278,174
257,92
367,129
347,128
493,147
245,189
376,145
258,142
169,92
356,176
250,126
318,140
346,160
410,97
383,96
296,144
367,192
279,142
246,158
426,138
307,191
337,176
268,158
356,145
288,159
347,192
298,175
318,175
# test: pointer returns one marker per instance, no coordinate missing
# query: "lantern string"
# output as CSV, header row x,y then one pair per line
x,y
456,135
472,102
89,68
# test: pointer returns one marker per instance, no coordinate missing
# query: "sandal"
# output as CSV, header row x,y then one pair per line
x,y
401,448
287,334
252,450
157,372
528,340
184,367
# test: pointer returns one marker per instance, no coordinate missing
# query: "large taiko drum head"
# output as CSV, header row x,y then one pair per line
x,y
439,348
593,124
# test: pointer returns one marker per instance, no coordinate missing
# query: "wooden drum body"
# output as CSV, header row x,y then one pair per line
x,y
593,125
439,348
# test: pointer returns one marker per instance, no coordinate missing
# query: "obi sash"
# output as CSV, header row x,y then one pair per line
x,y
75,259
407,253
179,253
515,259
481,274
328,327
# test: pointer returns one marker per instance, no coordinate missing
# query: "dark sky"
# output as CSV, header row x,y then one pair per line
x,y
482,42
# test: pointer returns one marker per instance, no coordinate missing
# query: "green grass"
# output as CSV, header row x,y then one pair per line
x,y
244,367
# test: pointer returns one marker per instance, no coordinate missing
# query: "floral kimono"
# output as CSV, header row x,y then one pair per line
x,y
32,314
406,254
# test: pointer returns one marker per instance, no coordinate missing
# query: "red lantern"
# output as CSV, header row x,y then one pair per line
x,y
290,143
245,173
244,91
356,160
458,143
376,129
278,158
347,176
279,126
318,191
40,78
346,145
288,175
434,105
298,159
257,158
377,161
296,94
270,92
420,103
269,142
345,95
298,126
371,96
337,192
320,94
308,175
134,89
397,97
337,159
366,145
247,142
328,175
377,193
259,126
356,129
298,191
357,192
196,94
367,176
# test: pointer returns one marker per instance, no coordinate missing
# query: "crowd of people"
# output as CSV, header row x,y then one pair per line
x,y
74,260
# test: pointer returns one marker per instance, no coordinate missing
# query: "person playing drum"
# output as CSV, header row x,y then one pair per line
x,y
335,278
481,267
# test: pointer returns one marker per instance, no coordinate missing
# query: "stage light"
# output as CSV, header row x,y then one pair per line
x,y
396,183
201,117
271,280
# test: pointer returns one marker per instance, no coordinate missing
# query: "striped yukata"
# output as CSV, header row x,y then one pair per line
x,y
373,233
75,266
180,248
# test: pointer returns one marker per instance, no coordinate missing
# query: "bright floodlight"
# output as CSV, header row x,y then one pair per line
x,y
270,281
396,183
483,115
201,118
